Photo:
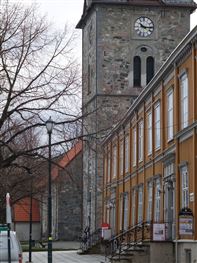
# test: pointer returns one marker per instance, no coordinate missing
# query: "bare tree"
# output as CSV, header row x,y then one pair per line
x,y
38,78
18,177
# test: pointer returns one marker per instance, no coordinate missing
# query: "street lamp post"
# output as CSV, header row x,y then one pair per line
x,y
49,126
30,216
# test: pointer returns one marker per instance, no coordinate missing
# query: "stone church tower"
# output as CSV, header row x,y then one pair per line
x,y
124,44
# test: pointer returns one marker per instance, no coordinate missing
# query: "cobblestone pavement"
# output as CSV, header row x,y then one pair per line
x,y
64,257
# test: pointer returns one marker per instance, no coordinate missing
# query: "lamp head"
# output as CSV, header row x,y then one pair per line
x,y
49,125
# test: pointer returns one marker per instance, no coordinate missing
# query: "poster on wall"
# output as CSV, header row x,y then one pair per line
x,y
185,225
159,232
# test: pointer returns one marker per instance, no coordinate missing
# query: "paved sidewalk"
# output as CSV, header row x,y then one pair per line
x,y
64,257
66,245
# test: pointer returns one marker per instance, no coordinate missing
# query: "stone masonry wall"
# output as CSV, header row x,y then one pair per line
x,y
70,201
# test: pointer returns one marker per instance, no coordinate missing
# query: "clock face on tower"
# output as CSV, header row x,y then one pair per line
x,y
144,26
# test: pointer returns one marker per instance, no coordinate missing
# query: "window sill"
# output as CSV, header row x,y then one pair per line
x,y
170,140
158,149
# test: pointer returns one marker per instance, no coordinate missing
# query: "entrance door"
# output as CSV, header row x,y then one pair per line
x,y
169,209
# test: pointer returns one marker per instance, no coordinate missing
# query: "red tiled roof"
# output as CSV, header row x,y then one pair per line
x,y
22,210
61,162
67,158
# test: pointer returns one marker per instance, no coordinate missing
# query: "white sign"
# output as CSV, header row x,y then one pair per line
x,y
159,233
186,225
191,197
106,234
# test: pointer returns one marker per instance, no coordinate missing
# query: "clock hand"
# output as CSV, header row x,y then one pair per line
x,y
145,27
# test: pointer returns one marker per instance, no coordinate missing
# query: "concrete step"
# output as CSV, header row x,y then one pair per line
x,y
126,253
133,249
121,259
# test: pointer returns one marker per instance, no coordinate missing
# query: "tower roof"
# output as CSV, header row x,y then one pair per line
x,y
88,4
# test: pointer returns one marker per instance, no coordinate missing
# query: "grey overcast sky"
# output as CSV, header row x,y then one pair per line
x,y
69,11
62,11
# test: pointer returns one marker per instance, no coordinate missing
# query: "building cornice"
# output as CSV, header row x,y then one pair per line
x,y
135,3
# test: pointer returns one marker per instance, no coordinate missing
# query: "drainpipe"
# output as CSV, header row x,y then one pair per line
x,y
96,105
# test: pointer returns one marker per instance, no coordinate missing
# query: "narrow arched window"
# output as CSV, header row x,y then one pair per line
x,y
149,69
137,71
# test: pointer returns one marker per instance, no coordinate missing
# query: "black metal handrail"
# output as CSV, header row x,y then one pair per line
x,y
133,236
88,239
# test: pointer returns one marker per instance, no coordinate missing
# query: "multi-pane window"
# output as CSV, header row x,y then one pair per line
x,y
149,124
140,204
127,153
140,141
113,217
133,207
105,168
149,69
121,157
185,186
157,200
169,169
150,201
170,115
134,146
108,166
108,215
137,71
126,211
121,210
114,161
184,100
157,126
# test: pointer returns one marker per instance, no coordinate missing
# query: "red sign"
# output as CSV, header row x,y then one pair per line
x,y
105,226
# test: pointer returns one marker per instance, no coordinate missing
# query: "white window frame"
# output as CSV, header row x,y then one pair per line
x,y
108,215
140,141
127,153
170,115
114,161
105,169
140,204
121,210
157,199
112,216
169,169
157,126
121,156
133,205
134,146
150,201
108,166
185,186
126,211
184,90
150,133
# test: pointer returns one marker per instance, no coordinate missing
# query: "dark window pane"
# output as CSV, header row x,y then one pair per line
x,y
137,71
149,69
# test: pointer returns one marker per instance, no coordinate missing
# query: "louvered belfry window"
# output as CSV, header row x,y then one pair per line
x,y
137,71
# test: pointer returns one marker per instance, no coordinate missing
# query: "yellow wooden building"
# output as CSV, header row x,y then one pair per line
x,y
150,165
